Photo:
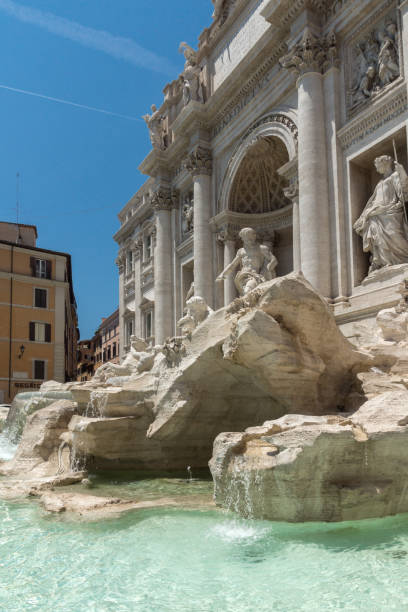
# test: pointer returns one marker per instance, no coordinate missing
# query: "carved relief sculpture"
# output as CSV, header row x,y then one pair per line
x,y
382,224
256,262
375,63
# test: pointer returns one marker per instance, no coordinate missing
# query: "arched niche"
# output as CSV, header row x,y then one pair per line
x,y
275,131
257,189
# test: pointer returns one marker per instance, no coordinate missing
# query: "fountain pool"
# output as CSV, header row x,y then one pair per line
x,y
195,558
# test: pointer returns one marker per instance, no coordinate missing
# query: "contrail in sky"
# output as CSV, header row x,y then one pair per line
x,y
115,46
60,101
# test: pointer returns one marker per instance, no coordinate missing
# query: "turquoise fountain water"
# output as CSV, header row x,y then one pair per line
x,y
182,560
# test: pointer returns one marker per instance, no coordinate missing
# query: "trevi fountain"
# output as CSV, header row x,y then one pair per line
x,y
254,456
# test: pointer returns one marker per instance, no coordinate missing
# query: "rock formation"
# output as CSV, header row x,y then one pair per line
x,y
327,468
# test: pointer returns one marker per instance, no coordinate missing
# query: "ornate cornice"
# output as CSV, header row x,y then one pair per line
x,y
199,161
164,199
376,115
312,54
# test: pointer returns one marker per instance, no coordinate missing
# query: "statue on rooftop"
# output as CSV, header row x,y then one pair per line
x,y
154,124
383,223
257,263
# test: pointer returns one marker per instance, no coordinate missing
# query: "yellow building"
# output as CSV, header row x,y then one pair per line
x,y
38,319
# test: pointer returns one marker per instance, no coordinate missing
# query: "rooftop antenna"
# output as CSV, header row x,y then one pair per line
x,y
19,237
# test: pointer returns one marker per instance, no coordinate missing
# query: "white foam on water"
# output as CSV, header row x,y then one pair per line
x,y
7,448
232,531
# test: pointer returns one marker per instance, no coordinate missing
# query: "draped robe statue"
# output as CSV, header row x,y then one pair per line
x,y
382,224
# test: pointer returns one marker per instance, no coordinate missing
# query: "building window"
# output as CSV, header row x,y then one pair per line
x,y
104,355
129,264
114,349
148,248
149,324
40,298
40,268
40,332
109,353
39,369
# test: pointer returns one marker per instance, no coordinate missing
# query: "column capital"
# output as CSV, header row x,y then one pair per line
x,y
312,54
225,233
199,161
292,191
164,199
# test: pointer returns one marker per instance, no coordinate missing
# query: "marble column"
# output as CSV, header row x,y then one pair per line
x,y
162,204
137,271
309,60
199,163
230,293
292,193
120,262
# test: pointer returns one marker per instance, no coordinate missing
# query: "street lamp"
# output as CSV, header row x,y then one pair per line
x,y
21,353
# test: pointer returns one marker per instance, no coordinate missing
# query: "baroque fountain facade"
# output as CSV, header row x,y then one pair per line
x,y
262,277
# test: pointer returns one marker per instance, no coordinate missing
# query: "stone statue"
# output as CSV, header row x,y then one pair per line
x,y
218,6
190,292
186,92
154,123
197,312
382,224
139,359
192,88
257,263
188,216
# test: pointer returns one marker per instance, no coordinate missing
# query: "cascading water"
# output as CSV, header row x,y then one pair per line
x,y
96,405
25,404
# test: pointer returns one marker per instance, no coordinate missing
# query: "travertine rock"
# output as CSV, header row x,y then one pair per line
x,y
328,468
279,351
37,453
93,507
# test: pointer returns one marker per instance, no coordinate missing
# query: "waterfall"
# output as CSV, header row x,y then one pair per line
x,y
25,404
96,406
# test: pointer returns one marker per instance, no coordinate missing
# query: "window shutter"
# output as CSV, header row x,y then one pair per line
x,y
43,298
32,266
48,268
48,332
32,331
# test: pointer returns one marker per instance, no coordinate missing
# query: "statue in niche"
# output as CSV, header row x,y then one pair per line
x,y
154,124
376,63
257,263
188,214
383,223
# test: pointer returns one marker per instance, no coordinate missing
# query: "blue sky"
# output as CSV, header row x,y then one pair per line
x,y
78,167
